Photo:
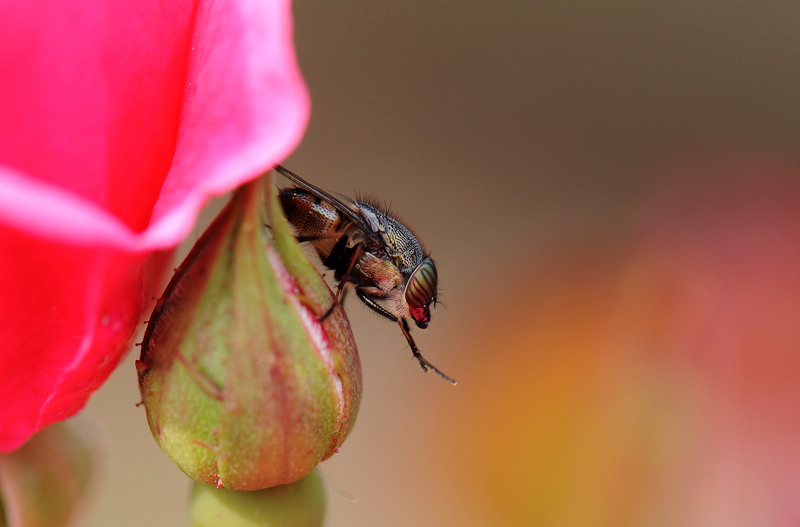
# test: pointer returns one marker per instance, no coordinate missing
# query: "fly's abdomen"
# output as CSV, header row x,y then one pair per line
x,y
309,215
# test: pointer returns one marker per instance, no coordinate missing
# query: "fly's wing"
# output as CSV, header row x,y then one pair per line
x,y
349,209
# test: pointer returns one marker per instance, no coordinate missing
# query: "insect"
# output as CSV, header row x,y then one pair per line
x,y
370,250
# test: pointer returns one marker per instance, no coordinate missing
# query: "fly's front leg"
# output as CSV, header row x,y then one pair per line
x,y
363,293
423,362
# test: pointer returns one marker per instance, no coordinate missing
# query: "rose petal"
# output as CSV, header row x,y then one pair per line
x,y
117,121
144,116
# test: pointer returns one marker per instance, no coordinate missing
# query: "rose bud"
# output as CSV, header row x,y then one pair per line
x,y
299,504
244,386
46,481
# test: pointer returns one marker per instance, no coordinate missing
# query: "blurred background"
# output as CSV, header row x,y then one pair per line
x,y
612,194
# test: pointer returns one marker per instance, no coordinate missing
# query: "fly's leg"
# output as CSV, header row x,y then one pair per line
x,y
315,237
357,252
339,248
340,294
423,362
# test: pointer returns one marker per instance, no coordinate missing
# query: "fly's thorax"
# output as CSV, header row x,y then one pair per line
x,y
400,244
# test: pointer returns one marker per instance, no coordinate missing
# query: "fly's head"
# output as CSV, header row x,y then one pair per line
x,y
421,292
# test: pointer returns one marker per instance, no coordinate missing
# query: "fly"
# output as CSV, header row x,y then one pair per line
x,y
370,250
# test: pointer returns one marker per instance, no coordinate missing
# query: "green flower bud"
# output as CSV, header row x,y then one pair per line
x,y
299,504
243,385
44,483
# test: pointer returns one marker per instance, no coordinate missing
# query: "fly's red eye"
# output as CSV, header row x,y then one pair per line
x,y
421,286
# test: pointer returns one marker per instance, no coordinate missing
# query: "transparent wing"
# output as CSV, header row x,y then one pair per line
x,y
345,206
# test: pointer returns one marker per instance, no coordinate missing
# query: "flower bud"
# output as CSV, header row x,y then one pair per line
x,y
300,504
44,483
244,386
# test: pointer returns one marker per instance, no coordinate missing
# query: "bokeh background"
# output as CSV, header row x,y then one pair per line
x,y
611,191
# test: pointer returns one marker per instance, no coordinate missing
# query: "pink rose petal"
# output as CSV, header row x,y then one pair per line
x,y
118,119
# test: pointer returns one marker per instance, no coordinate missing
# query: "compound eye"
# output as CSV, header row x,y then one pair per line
x,y
421,286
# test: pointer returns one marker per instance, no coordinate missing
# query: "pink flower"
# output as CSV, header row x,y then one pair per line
x,y
118,119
